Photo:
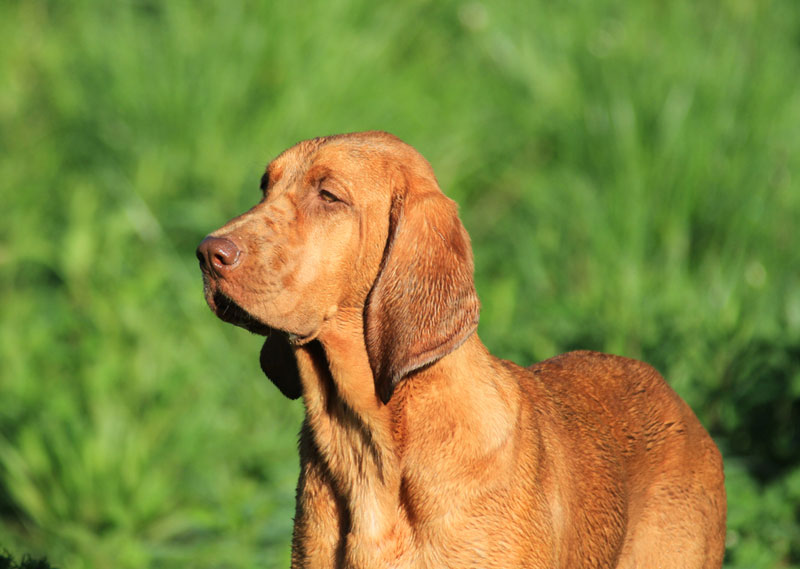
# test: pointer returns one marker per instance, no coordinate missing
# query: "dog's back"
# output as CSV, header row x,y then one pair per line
x,y
641,463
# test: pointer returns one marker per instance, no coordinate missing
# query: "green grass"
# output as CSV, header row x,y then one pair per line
x,y
628,173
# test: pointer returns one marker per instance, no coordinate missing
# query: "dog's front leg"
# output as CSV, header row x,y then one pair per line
x,y
321,521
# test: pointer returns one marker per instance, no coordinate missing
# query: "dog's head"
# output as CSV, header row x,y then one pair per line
x,y
348,224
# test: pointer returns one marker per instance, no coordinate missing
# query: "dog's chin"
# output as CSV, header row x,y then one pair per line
x,y
228,310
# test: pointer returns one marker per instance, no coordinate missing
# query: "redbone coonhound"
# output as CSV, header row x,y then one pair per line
x,y
419,448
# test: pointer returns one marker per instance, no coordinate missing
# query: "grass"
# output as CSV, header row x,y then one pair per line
x,y
627,171
8,562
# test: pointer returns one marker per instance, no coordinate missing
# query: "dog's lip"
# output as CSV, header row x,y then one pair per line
x,y
230,311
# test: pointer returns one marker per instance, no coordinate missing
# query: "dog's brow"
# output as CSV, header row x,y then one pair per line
x,y
272,173
317,172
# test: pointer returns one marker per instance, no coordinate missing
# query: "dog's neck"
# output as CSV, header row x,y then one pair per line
x,y
361,440
349,426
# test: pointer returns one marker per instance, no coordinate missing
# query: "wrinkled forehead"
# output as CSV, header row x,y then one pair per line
x,y
293,161
361,163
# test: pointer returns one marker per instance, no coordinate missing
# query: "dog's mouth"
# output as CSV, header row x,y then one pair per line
x,y
228,310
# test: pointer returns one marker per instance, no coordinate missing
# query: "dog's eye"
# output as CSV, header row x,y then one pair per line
x,y
327,196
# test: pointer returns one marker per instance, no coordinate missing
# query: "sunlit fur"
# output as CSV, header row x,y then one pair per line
x,y
419,448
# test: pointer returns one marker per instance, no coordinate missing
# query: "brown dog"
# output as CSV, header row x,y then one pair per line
x,y
419,448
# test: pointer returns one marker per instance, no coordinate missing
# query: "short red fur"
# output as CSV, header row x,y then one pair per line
x,y
419,448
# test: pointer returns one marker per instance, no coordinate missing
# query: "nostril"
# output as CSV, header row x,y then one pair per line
x,y
217,253
225,252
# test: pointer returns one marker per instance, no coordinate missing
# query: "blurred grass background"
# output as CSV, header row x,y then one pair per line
x,y
628,172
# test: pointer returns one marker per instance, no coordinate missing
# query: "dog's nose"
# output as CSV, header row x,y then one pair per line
x,y
217,254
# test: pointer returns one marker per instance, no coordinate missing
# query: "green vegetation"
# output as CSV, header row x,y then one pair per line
x,y
628,172
8,562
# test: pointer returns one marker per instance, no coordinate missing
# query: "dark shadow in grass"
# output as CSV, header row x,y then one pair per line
x,y
759,388
8,562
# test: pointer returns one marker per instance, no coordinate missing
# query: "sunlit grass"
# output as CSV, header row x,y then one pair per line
x,y
627,171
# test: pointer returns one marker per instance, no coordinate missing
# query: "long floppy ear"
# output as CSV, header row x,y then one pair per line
x,y
280,365
423,304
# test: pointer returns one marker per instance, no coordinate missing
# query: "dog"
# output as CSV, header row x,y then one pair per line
x,y
420,449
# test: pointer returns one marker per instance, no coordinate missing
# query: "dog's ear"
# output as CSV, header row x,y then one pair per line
x,y
423,304
280,365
